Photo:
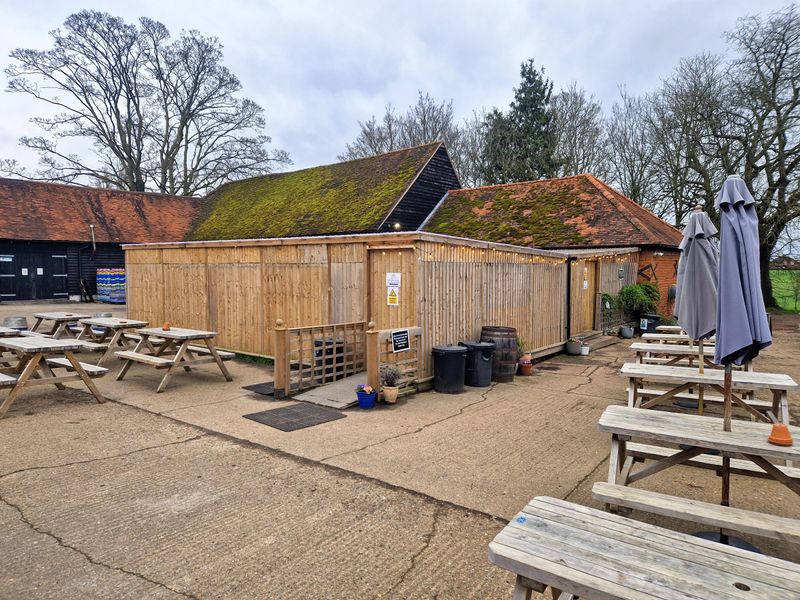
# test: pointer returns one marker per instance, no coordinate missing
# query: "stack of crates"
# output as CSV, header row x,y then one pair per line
x,y
111,285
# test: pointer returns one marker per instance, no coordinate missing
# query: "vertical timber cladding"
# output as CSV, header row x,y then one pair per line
x,y
461,288
185,288
400,260
144,280
583,290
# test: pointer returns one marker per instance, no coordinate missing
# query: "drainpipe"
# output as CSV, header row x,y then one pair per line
x,y
568,320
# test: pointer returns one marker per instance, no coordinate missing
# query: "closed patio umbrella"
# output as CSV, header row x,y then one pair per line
x,y
696,301
742,325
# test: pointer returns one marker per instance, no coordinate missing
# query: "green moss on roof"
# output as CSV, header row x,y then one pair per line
x,y
352,196
506,214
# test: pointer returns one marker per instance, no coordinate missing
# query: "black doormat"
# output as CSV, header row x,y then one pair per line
x,y
265,389
297,416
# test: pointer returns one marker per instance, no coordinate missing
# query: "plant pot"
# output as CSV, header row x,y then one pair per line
x,y
573,348
366,400
585,350
525,369
626,332
390,394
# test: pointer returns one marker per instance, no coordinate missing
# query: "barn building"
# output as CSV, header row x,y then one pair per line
x,y
53,236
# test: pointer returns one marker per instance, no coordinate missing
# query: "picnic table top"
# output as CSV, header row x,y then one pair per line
x,y
177,333
9,332
669,328
745,437
672,374
114,323
675,337
597,554
60,316
687,349
39,343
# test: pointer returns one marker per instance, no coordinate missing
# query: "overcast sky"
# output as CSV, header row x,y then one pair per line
x,y
320,67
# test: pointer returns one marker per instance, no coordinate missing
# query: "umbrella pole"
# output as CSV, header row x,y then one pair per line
x,y
701,387
726,460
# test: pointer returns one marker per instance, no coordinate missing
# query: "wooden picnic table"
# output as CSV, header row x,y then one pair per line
x,y
673,338
109,326
672,354
682,379
669,329
581,551
747,439
60,320
186,352
37,356
9,332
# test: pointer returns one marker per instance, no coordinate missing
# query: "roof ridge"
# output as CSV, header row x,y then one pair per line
x,y
621,199
73,186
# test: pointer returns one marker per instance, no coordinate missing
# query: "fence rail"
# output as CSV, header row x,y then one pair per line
x,y
308,357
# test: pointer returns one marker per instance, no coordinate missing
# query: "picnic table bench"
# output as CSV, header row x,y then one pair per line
x,y
673,338
108,326
188,352
581,551
37,356
673,354
684,378
61,321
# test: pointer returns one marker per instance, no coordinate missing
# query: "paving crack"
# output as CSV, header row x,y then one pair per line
x,y
101,458
64,544
585,477
437,513
460,412
588,376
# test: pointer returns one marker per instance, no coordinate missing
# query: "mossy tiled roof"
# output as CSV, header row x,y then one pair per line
x,y
346,197
570,212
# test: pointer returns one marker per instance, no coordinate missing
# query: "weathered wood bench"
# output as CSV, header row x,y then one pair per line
x,y
7,380
578,550
223,354
695,511
91,370
706,461
762,405
159,362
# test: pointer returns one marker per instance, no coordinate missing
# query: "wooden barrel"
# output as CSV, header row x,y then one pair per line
x,y
504,361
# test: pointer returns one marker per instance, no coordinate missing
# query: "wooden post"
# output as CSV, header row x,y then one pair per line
x,y
373,356
726,399
283,368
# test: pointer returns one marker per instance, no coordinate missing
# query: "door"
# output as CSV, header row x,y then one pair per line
x,y
57,275
583,292
392,287
32,276
8,276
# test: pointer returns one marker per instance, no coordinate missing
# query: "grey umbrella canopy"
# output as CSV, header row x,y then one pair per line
x,y
742,325
696,301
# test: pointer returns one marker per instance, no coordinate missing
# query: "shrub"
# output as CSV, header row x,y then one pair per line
x,y
638,298
390,376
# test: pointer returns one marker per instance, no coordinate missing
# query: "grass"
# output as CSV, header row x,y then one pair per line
x,y
782,289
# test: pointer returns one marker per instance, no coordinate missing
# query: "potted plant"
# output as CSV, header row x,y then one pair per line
x,y
640,301
626,331
584,349
389,378
525,359
573,346
366,395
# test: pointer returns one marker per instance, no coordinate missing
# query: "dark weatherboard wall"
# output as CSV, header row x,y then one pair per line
x,y
52,270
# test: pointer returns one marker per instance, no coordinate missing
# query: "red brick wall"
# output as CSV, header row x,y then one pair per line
x,y
661,270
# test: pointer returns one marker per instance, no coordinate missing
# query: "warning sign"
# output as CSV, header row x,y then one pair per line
x,y
393,296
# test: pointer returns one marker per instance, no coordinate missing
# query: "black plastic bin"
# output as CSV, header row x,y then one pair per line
x,y
649,322
478,370
449,363
329,352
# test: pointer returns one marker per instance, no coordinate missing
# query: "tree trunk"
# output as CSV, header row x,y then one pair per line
x,y
765,251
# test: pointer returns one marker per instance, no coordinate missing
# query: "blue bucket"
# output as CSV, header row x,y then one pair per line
x,y
366,400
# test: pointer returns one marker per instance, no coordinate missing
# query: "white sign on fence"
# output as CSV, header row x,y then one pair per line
x,y
393,280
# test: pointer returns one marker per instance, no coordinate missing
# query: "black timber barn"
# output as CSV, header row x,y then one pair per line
x,y
52,236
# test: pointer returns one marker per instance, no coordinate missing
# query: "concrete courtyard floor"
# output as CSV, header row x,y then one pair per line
x,y
176,495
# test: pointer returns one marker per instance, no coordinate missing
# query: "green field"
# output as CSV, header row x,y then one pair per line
x,y
782,289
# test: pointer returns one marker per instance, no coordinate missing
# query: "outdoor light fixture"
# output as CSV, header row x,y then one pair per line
x,y
621,273
397,226
657,254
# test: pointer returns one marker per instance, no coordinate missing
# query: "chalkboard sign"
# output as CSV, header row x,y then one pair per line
x,y
400,340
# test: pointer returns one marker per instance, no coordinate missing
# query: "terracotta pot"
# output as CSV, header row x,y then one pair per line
x,y
525,369
165,327
780,435
390,394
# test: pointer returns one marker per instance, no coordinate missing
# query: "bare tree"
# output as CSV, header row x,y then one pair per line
x,y
158,114
579,127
